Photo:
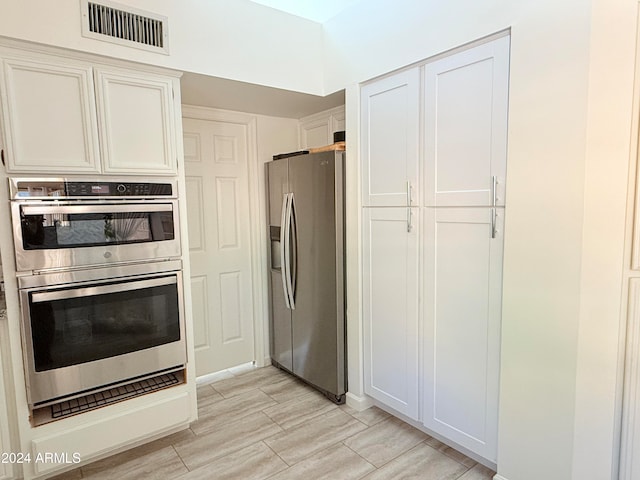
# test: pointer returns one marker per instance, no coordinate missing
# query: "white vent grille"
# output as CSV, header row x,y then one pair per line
x,y
115,23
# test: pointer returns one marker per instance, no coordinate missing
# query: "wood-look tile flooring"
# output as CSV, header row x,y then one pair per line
x,y
264,424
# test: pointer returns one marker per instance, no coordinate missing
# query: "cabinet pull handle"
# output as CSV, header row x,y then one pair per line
x,y
494,190
409,220
408,193
2,156
494,218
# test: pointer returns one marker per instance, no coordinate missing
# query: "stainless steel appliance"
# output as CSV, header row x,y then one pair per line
x,y
100,284
306,234
62,223
91,328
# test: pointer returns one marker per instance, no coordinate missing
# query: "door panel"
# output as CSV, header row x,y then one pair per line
x,y
390,308
50,117
219,243
318,318
462,316
136,119
390,139
465,115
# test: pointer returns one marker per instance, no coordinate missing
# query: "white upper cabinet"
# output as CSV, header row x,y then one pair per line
x,y
136,122
390,140
390,307
462,317
62,115
49,116
465,126
317,130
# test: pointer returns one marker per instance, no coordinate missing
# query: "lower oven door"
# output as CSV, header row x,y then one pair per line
x,y
83,336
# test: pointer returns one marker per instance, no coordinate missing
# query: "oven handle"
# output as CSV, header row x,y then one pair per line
x,y
102,289
126,208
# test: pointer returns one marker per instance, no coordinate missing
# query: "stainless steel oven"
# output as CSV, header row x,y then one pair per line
x,y
87,329
61,223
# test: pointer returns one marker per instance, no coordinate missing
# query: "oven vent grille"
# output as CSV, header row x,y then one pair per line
x,y
112,395
124,25
117,394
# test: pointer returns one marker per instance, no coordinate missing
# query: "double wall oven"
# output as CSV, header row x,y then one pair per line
x,y
100,283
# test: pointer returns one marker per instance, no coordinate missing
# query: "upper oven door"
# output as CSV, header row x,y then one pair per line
x,y
51,235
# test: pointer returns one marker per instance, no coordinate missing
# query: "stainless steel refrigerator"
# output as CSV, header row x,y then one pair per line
x,y
305,195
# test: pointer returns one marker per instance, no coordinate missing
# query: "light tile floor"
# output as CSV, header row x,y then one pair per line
x,y
265,424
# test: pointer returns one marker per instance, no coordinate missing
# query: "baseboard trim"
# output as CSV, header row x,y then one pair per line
x,y
499,477
357,402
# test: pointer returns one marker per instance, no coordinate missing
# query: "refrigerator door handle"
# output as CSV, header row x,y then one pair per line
x,y
283,247
287,252
294,243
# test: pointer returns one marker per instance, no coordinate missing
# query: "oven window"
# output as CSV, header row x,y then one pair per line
x,y
74,330
70,230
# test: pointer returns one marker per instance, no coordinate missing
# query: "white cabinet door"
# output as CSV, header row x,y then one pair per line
x,y
462,316
390,115
390,307
49,117
465,130
137,124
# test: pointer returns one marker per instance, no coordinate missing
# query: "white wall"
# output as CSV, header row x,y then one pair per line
x,y
570,100
611,82
237,39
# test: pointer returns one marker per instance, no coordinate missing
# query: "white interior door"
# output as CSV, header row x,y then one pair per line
x,y
217,180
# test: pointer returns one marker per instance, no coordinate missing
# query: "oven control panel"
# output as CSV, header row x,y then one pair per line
x,y
25,188
113,189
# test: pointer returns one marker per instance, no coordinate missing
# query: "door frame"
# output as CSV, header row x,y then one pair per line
x,y
256,215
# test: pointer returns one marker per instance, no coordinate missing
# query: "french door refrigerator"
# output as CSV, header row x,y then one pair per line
x,y
306,259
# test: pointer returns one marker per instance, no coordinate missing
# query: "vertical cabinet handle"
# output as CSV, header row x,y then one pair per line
x,y
494,191
494,218
408,193
409,220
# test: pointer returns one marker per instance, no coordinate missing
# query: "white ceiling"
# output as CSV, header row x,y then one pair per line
x,y
317,10
214,92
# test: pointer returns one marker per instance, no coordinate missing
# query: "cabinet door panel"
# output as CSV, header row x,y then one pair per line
x,y
136,122
390,139
50,117
465,113
390,300
462,314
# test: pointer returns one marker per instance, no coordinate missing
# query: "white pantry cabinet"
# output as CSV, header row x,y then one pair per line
x,y
49,116
63,115
452,127
461,320
390,307
390,140
466,99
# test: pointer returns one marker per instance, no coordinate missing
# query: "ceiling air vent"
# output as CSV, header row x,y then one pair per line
x,y
124,25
